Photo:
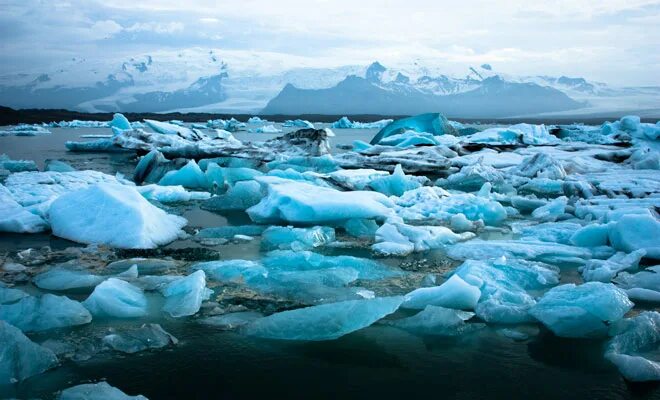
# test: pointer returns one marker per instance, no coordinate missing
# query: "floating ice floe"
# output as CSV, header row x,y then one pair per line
x,y
184,296
40,313
398,239
267,129
25,130
439,321
504,285
171,129
148,336
230,125
643,285
232,320
454,293
477,249
20,358
325,321
397,183
116,298
635,232
606,270
298,123
345,123
16,165
433,123
581,311
116,215
634,340
59,278
299,202
15,218
96,391
283,238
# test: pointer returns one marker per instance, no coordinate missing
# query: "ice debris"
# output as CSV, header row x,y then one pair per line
x,y
631,348
20,358
439,321
433,123
96,391
148,336
184,296
40,313
116,298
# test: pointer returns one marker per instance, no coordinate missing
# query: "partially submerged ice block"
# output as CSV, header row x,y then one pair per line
x,y
59,278
238,271
15,218
34,314
184,297
241,196
325,321
633,232
190,176
606,270
20,358
644,285
582,311
119,121
430,123
454,293
524,249
289,238
504,285
396,184
437,321
96,391
299,202
399,239
632,347
117,299
286,260
116,215
148,336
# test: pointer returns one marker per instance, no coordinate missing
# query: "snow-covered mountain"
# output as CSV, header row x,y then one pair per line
x,y
209,81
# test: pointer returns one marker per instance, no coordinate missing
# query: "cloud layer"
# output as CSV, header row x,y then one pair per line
x,y
616,41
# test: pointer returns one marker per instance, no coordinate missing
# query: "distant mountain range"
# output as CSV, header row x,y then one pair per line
x,y
198,81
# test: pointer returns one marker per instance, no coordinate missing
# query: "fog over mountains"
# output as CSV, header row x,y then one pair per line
x,y
200,80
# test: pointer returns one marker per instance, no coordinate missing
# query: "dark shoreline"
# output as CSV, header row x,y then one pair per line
x,y
9,116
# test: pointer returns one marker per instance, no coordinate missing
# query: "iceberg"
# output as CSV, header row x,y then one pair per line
x,y
634,340
96,391
58,166
190,176
16,165
25,130
345,123
170,194
325,321
533,250
591,236
454,293
503,284
241,196
268,129
20,358
116,298
299,202
148,336
298,123
540,165
9,295
551,211
184,296
635,232
437,321
171,129
116,215
401,239
582,311
606,270
471,178
119,121
238,271
59,278
15,218
290,238
433,123
34,314
643,285
397,183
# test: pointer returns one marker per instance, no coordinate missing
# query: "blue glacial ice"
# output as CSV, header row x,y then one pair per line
x,y
232,320
238,271
241,196
632,346
184,296
10,295
433,320
96,391
472,177
453,293
189,176
298,123
606,270
115,298
433,123
551,211
504,285
16,165
325,321
634,232
170,194
397,183
643,285
58,166
290,238
345,123
266,129
533,250
166,128
20,358
15,218
60,278
119,121
25,130
148,336
398,239
116,215
581,311
299,202
40,313
361,228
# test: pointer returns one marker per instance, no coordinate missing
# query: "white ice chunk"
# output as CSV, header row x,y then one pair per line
x,y
33,314
184,297
117,298
454,293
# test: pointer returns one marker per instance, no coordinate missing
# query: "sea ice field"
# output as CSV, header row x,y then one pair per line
x,y
415,257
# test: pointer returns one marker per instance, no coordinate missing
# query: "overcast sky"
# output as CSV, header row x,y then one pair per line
x,y
615,41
